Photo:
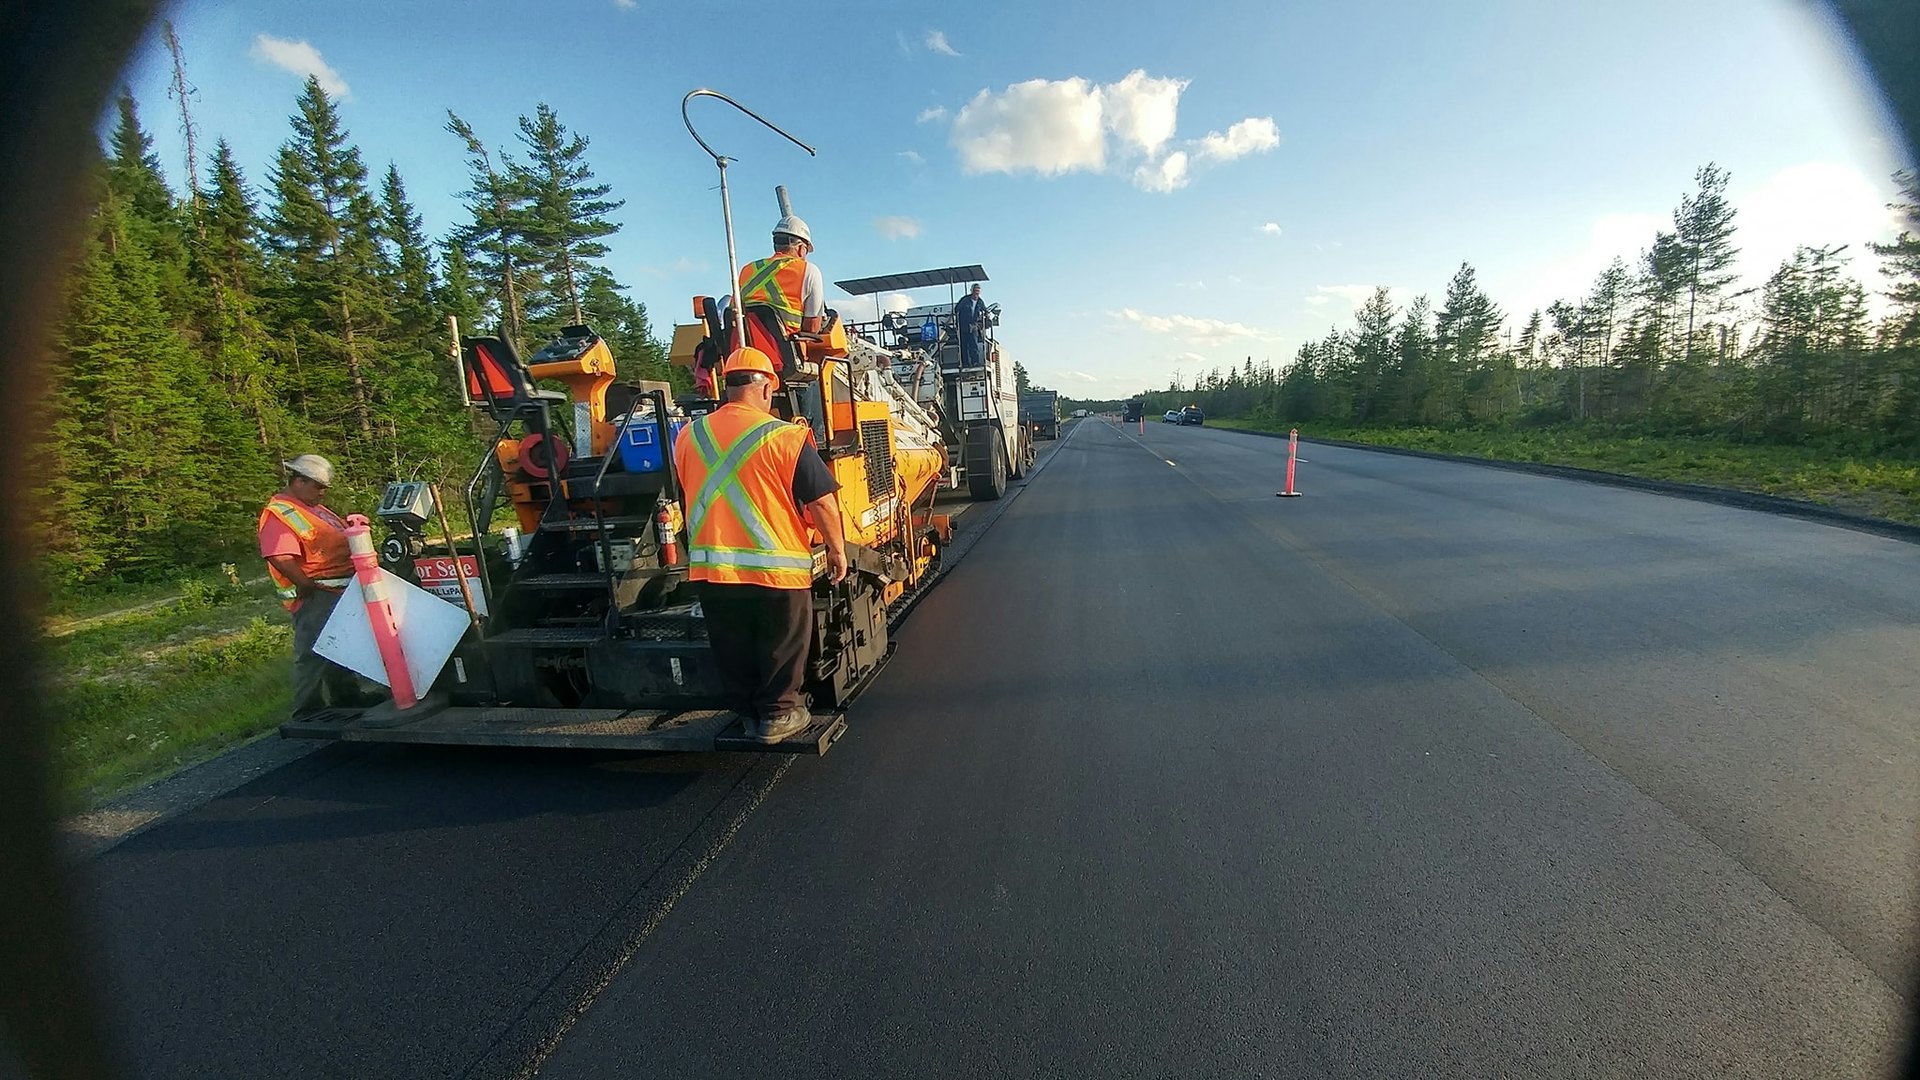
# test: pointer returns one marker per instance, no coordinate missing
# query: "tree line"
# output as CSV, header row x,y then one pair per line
x,y
1668,345
212,333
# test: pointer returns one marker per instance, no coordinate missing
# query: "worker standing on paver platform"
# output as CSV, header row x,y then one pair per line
x,y
970,319
752,481
305,545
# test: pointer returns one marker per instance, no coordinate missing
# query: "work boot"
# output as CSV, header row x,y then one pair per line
x,y
749,723
783,726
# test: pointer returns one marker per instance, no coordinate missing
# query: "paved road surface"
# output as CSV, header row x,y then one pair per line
x,y
1438,770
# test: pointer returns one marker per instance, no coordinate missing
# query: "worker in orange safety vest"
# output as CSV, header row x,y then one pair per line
x,y
786,282
305,546
753,482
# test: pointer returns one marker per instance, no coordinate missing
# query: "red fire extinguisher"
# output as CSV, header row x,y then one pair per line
x,y
669,534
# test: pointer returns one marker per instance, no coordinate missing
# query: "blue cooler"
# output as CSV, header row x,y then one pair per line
x,y
640,451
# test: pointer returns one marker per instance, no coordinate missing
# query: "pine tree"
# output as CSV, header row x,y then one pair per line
x,y
1902,259
1373,355
322,229
414,380
565,217
135,182
135,485
1466,331
1703,231
494,242
229,276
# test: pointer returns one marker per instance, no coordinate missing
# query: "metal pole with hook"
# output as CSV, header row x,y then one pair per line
x,y
726,206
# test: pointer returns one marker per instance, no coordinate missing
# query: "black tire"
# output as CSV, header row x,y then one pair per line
x,y
988,484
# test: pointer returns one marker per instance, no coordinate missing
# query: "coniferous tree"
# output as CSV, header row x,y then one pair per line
x,y
323,232
494,241
565,217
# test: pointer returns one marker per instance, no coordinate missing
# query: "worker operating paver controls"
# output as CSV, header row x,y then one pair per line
x,y
305,545
753,481
786,281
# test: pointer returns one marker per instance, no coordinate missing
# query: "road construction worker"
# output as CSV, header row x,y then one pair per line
x,y
970,318
305,545
786,280
753,481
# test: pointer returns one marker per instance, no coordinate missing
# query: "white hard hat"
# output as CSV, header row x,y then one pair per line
x,y
791,225
313,467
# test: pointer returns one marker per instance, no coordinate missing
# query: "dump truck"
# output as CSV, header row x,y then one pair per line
x,y
1040,411
974,401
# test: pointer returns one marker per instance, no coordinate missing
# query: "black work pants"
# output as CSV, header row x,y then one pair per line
x,y
970,347
760,640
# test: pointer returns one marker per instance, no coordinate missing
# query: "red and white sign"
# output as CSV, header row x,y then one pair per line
x,y
436,574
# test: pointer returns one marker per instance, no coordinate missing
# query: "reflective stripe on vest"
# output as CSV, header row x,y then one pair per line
x,y
779,281
743,527
323,548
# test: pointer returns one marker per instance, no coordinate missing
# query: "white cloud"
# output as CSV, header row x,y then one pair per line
x,y
1168,174
626,5
1077,376
1254,135
912,156
1271,228
1196,284
894,227
299,58
928,116
1142,110
936,41
1043,126
1051,127
1192,328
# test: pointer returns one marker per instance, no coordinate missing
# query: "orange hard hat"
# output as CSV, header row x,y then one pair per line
x,y
749,358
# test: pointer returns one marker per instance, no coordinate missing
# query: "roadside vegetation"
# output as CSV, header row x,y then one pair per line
x,y
139,693
1877,483
1804,385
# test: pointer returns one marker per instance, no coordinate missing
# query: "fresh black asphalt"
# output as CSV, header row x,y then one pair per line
x,y
1437,770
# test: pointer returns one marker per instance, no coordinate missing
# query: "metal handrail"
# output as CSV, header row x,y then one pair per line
x,y
491,461
602,537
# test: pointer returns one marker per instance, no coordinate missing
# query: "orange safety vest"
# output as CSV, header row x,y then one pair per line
x,y
778,281
323,546
736,465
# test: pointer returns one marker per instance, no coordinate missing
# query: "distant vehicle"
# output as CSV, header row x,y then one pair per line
x,y
1080,414
1135,410
1192,415
1040,411
1171,416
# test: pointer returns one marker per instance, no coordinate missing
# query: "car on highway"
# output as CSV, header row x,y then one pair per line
x,y
1192,415
1171,416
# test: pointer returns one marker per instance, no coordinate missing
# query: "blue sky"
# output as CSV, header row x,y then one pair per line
x,y
1268,164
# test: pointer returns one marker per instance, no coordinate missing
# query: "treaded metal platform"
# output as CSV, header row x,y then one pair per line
x,y
561,581
576,637
602,729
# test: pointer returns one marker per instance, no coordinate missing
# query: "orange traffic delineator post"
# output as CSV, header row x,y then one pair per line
x,y
373,589
1293,455
1143,421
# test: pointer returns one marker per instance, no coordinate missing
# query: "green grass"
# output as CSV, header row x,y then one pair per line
x,y
1877,484
141,693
